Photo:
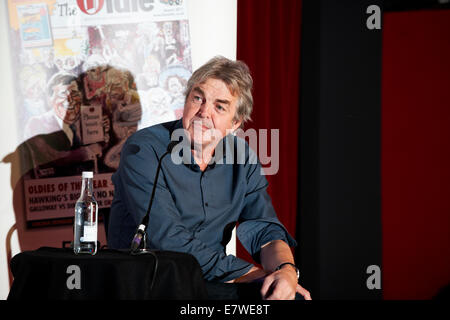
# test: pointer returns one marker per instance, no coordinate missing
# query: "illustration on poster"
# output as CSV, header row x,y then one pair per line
x,y
85,83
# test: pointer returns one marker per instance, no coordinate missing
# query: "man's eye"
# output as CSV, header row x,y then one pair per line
x,y
198,99
220,108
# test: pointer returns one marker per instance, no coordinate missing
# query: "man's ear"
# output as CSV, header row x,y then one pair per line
x,y
236,125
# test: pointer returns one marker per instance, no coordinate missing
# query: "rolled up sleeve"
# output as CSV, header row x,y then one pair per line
x,y
258,223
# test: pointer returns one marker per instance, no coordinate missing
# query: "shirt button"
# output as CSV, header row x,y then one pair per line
x,y
206,204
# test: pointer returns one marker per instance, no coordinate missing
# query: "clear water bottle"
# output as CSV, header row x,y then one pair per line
x,y
86,214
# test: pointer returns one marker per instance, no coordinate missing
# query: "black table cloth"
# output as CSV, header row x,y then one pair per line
x,y
45,274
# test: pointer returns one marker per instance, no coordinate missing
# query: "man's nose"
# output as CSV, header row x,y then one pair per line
x,y
205,110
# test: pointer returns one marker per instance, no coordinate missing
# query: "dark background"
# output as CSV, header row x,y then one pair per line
x,y
364,119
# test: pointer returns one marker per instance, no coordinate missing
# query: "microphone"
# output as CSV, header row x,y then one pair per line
x,y
140,237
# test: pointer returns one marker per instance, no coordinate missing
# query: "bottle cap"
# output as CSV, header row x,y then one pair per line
x,y
88,174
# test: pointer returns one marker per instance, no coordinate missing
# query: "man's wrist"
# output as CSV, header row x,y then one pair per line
x,y
289,265
254,274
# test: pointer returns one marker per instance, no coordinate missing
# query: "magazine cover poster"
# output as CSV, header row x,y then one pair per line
x,y
90,73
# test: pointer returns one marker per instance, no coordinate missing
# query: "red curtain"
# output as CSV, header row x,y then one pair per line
x,y
415,154
268,40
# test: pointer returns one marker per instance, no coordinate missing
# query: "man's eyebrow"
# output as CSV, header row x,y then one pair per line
x,y
198,90
223,101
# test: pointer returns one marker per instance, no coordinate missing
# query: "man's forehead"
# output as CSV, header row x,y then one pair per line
x,y
73,85
216,87
61,86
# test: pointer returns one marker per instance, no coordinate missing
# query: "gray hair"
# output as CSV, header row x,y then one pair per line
x,y
63,78
236,75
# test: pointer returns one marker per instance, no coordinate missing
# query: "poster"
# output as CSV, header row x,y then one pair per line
x,y
54,198
34,25
88,74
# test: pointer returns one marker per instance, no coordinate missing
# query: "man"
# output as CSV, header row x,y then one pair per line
x,y
196,201
53,146
65,102
123,106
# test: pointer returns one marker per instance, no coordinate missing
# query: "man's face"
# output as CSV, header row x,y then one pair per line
x,y
66,101
167,29
95,73
209,112
117,93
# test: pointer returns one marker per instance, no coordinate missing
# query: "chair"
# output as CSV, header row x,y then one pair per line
x,y
9,251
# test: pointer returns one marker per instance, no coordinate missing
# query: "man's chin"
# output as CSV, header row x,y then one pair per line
x,y
197,144
205,144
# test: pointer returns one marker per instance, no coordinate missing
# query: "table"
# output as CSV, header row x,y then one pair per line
x,y
57,273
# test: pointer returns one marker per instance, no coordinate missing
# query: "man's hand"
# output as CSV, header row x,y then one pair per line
x,y
305,293
279,285
282,285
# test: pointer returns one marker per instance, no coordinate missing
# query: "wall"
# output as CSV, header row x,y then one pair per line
x,y
213,32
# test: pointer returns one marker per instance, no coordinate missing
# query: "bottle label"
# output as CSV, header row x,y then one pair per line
x,y
89,234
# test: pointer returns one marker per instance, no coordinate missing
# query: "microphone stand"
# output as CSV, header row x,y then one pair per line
x,y
139,242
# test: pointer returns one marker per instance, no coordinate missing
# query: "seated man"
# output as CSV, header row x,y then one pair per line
x,y
197,201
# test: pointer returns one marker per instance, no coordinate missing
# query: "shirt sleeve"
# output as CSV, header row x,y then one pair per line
x,y
166,230
258,223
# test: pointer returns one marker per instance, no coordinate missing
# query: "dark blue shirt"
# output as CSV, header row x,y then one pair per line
x,y
193,211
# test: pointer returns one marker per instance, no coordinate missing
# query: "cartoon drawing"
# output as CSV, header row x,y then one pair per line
x,y
34,25
125,110
94,81
84,85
